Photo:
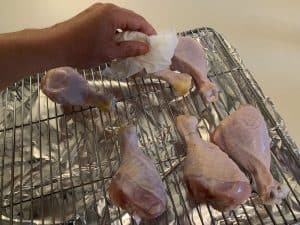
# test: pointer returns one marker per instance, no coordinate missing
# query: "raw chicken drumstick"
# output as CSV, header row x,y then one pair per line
x,y
137,186
181,82
244,137
189,57
210,175
66,86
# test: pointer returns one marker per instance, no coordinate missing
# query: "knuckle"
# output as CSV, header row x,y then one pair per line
x,y
97,5
109,6
111,11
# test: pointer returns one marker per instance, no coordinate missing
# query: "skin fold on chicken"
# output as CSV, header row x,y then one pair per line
x,y
66,86
137,187
180,82
210,175
244,137
189,57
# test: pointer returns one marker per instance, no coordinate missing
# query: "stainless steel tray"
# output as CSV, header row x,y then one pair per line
x,y
55,167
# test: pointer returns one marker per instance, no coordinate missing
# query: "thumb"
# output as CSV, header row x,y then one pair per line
x,y
126,49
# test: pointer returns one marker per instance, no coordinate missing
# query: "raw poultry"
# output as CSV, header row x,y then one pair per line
x,y
66,86
210,175
180,82
244,137
189,57
137,187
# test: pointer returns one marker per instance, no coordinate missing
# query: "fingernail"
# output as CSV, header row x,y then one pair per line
x,y
143,48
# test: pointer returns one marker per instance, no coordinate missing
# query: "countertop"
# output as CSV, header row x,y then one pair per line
x,y
266,34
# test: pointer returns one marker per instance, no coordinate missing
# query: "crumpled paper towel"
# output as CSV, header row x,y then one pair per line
x,y
161,50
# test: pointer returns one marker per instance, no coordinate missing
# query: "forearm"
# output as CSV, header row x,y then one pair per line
x,y
83,41
29,51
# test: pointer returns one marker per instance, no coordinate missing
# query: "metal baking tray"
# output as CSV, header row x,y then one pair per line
x,y
55,168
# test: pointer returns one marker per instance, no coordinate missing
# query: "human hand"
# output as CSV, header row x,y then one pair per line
x,y
88,38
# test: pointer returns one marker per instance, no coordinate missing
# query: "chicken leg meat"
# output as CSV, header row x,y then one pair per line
x,y
137,186
244,137
181,82
66,86
189,57
210,175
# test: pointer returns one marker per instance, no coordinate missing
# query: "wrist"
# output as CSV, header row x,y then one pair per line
x,y
55,49
65,44
40,49
29,51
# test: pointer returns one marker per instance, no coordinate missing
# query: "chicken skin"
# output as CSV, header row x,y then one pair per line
x,y
66,86
180,82
210,175
244,137
189,57
137,187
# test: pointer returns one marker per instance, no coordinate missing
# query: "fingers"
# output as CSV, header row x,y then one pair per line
x,y
119,18
128,49
128,20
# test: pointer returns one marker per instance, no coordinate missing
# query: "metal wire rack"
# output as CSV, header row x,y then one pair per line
x,y
55,166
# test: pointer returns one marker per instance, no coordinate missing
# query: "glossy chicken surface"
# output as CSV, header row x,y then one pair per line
x,y
189,57
66,86
137,186
210,175
180,82
244,137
